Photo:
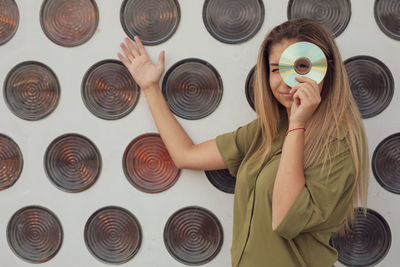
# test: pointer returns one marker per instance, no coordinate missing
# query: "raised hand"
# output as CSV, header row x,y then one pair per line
x,y
139,64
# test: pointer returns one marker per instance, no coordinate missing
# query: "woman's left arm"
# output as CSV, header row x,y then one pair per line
x,y
290,179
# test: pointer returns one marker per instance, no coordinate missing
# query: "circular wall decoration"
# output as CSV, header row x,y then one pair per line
x,y
69,22
154,21
232,21
222,180
35,234
371,83
113,235
368,242
387,16
11,162
148,166
72,162
250,89
192,88
31,90
335,15
386,163
109,90
193,235
9,20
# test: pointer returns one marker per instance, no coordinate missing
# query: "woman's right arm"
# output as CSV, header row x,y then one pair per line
x,y
184,153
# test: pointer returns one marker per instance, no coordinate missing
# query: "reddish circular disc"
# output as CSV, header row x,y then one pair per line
x,y
148,166
9,20
11,162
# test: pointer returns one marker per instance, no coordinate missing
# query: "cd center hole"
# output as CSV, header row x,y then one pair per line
x,y
302,65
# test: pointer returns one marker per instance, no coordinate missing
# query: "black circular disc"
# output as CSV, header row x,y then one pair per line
x,y
148,166
11,162
72,162
368,242
192,88
250,89
371,83
335,15
387,16
154,21
113,235
69,22
109,90
31,90
222,180
35,234
9,20
232,21
386,163
193,235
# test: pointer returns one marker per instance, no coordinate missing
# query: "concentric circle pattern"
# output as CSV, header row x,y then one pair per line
x,y
109,91
386,163
113,235
250,89
232,21
72,162
222,180
148,166
387,16
371,83
368,242
69,22
193,235
11,162
31,90
155,21
335,15
35,234
9,19
192,88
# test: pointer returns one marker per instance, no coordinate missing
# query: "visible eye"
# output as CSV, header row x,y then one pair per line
x,y
274,70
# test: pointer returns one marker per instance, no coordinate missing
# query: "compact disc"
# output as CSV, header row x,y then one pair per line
x,y
302,59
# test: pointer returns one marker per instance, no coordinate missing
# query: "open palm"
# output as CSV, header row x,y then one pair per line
x,y
139,64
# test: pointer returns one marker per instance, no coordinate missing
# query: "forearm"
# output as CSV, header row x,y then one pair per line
x,y
173,135
290,178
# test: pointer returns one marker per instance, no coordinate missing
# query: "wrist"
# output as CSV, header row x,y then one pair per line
x,y
151,89
296,124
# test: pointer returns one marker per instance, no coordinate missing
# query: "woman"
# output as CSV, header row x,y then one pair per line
x,y
301,166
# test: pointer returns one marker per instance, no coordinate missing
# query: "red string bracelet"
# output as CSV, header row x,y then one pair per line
x,y
295,129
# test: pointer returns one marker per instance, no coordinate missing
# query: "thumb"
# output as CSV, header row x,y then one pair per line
x,y
161,60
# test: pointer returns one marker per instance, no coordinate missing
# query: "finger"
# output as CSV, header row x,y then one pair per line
x,y
161,60
142,50
132,47
127,52
124,61
304,79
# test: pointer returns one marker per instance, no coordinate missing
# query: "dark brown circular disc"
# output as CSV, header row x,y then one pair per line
x,y
250,88
35,234
222,180
232,21
69,22
11,162
386,163
109,90
72,162
193,235
154,21
147,164
335,15
192,88
9,20
387,16
113,235
371,83
31,90
368,242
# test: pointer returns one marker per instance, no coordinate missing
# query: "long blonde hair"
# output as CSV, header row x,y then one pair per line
x,y
337,108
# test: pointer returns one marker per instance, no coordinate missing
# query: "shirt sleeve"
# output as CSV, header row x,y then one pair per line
x,y
324,201
233,146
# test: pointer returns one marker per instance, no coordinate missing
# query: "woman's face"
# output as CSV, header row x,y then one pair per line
x,y
279,88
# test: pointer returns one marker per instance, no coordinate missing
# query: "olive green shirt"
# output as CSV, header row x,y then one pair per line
x,y
302,238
